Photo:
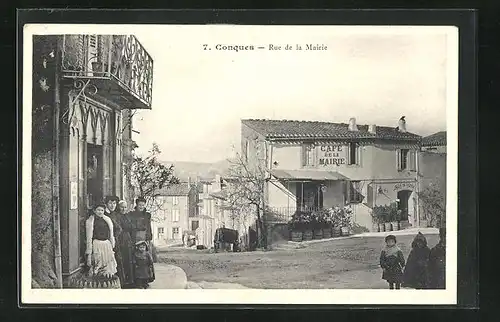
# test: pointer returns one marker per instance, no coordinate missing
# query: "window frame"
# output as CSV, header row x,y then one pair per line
x,y
353,192
308,155
175,215
357,153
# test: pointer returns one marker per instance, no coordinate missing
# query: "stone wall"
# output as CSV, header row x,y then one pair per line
x,y
43,104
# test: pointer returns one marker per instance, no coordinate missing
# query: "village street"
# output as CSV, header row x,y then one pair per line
x,y
351,263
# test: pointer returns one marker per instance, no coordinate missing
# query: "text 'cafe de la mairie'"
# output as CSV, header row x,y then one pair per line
x,y
315,165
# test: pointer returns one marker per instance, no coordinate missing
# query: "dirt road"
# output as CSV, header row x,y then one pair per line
x,y
347,263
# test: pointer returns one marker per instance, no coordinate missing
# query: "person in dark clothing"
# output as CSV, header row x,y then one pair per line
x,y
416,271
143,261
437,263
392,262
140,225
111,203
125,247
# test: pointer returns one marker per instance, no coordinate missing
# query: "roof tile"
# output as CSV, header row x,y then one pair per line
x,y
316,129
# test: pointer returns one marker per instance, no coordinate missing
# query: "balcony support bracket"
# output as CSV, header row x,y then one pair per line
x,y
80,89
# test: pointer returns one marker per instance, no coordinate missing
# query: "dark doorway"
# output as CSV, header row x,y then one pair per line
x,y
94,174
194,225
309,196
404,196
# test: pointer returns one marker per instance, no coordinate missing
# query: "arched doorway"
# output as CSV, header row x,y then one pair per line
x,y
403,204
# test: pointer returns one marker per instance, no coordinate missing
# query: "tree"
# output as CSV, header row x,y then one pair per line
x,y
245,191
149,176
433,205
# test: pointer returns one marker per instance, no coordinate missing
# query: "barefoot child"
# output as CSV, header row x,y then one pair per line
x,y
392,262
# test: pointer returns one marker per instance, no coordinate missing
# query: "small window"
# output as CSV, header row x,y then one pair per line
x,y
175,233
308,155
175,215
353,153
175,200
406,159
354,192
161,231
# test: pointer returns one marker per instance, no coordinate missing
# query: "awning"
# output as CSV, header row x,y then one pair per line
x,y
308,175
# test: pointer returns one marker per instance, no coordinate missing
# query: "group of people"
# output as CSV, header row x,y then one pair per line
x,y
119,242
424,269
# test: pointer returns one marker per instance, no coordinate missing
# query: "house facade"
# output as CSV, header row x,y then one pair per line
x,y
212,213
314,165
84,88
432,171
176,205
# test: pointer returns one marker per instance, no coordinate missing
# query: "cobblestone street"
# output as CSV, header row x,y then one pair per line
x,y
342,263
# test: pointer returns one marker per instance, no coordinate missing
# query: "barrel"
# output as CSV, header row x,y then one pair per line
x,y
308,235
297,235
318,233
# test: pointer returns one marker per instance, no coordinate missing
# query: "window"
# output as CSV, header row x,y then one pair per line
x,y
175,200
406,159
175,232
175,215
194,225
308,155
161,231
353,153
247,150
353,193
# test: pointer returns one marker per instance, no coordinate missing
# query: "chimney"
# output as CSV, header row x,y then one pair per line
x,y
352,124
402,124
372,129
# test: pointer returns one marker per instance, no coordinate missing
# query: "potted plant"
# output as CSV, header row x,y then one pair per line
x,y
345,221
296,227
317,224
306,218
335,215
327,223
378,219
392,215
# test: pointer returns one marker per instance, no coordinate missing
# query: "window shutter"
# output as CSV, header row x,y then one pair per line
x,y
398,159
347,192
304,155
348,153
412,155
358,154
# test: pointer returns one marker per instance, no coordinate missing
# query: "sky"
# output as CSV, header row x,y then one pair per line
x,y
374,74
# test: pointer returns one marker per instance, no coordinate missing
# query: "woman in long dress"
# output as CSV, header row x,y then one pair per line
x,y
100,241
140,222
125,246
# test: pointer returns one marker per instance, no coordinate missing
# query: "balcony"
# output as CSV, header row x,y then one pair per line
x,y
115,66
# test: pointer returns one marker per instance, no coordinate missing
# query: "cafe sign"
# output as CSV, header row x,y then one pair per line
x,y
331,155
404,186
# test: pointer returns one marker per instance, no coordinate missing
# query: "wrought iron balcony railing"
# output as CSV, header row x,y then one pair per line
x,y
118,67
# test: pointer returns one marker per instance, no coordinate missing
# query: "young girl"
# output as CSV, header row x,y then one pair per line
x,y
392,262
143,261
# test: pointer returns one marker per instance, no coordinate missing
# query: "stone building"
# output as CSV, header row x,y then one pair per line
x,y
84,89
177,204
313,165
432,171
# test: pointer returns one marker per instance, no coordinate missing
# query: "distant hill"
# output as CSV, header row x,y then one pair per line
x,y
184,169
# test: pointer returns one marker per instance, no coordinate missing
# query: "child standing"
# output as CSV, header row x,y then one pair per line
x,y
437,263
392,262
143,261
416,270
